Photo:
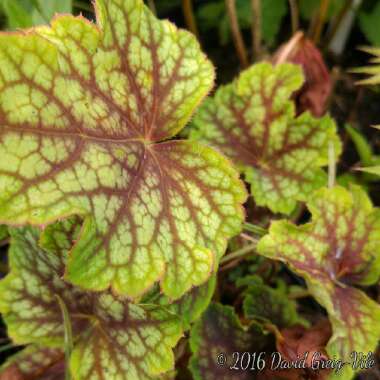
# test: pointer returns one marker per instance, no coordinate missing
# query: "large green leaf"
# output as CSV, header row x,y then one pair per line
x,y
111,334
253,121
86,114
337,250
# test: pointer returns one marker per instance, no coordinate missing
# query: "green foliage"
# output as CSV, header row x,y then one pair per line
x,y
104,326
269,305
369,24
212,15
253,122
95,139
26,13
116,228
308,8
336,252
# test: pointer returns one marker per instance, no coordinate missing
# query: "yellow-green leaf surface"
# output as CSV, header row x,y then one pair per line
x,y
253,122
338,250
86,114
113,338
35,362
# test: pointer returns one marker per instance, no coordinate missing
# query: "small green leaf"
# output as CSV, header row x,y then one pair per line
x,y
337,250
87,116
111,335
253,122
272,305
362,146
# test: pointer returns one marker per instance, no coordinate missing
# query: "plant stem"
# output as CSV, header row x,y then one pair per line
x,y
320,20
295,16
255,229
338,20
152,7
256,28
188,12
239,253
332,165
236,33
7,347
68,334
300,294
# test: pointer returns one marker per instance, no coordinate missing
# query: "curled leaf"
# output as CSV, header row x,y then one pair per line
x,y
337,251
253,122
315,92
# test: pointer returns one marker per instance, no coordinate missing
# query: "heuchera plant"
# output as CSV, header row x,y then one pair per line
x,y
117,229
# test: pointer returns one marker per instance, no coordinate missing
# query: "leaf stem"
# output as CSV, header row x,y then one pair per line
x,y
295,16
300,294
68,334
338,21
7,347
256,28
260,231
239,253
236,33
332,165
320,20
188,12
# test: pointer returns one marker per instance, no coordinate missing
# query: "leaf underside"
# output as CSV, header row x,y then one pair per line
x,y
113,337
253,122
86,114
338,249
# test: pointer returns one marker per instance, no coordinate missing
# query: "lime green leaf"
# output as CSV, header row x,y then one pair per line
x,y
35,362
86,114
111,335
253,121
338,249
219,332
369,24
